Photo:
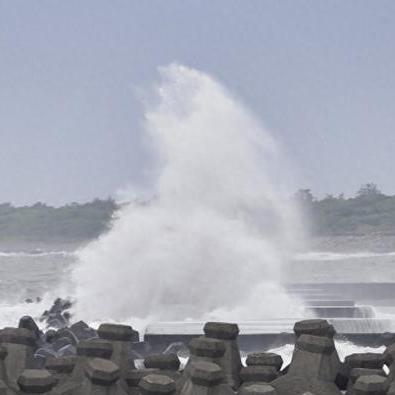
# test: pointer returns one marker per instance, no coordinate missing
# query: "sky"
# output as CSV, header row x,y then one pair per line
x,y
319,74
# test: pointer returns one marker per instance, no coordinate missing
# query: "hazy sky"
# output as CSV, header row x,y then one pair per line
x,y
320,74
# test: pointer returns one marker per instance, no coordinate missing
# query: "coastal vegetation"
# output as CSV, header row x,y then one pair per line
x,y
71,223
368,212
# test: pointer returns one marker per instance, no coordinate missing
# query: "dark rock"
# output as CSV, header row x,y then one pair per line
x,y
36,381
86,351
82,331
58,322
120,337
316,327
356,373
102,371
162,361
60,364
66,332
265,359
3,371
19,344
5,389
202,349
258,373
55,317
314,367
206,373
67,316
206,378
20,336
207,347
41,356
50,336
69,387
389,355
258,389
3,353
388,338
95,349
155,384
230,362
68,350
294,385
342,376
365,360
61,368
315,357
60,343
372,384
315,344
133,377
221,330
124,333
27,322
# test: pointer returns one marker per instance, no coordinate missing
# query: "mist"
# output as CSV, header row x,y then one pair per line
x,y
213,240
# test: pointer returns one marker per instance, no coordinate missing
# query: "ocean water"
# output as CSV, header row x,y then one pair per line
x,y
38,276
47,274
342,267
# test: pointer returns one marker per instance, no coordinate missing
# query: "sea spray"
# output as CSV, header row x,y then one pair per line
x,y
212,242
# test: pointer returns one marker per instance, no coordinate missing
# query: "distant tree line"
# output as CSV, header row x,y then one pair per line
x,y
369,211
40,222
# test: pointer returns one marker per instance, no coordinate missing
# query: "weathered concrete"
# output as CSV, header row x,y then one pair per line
x,y
132,379
230,362
36,381
61,367
315,357
258,389
120,337
371,385
88,350
156,384
316,327
19,344
265,359
257,375
356,373
206,378
101,377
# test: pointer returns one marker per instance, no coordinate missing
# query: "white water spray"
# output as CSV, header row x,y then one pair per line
x,y
212,242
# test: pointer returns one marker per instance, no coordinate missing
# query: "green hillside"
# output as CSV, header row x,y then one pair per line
x,y
369,212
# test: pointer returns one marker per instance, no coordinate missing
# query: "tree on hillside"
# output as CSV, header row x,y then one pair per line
x,y
369,190
304,196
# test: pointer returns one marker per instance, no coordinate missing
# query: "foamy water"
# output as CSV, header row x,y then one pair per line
x,y
336,256
42,273
30,275
24,254
215,242
214,239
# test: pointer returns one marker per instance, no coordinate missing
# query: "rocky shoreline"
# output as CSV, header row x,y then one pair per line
x,y
76,359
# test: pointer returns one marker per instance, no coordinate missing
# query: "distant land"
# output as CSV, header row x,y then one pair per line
x,y
365,222
369,214
40,224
